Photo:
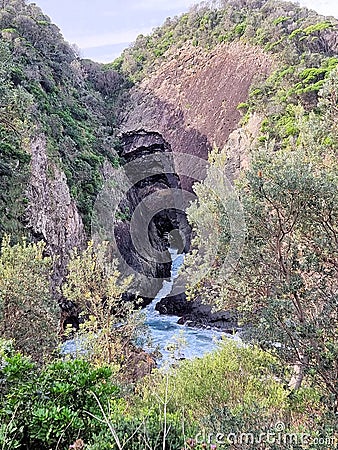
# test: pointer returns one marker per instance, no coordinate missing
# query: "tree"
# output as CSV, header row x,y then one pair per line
x,y
28,314
110,323
14,159
285,282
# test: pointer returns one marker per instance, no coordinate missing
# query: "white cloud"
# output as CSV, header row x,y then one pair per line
x,y
105,39
324,7
162,5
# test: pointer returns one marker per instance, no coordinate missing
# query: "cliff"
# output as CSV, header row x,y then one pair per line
x,y
192,98
68,126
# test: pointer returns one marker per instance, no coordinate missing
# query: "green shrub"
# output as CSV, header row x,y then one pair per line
x,y
28,313
235,377
51,407
43,407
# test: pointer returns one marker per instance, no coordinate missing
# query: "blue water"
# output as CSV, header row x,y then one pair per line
x,y
165,331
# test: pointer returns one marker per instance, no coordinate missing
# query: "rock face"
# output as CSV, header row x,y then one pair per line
x,y
192,99
240,140
149,211
52,214
186,106
175,305
154,189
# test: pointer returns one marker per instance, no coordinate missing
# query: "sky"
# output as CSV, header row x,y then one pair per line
x,y
103,28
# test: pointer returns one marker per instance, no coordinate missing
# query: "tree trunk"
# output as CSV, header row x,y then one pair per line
x,y
298,372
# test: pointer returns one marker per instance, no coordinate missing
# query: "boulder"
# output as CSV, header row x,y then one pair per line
x,y
197,314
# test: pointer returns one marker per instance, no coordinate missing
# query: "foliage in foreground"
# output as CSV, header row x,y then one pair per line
x,y
110,325
233,391
29,314
237,377
51,407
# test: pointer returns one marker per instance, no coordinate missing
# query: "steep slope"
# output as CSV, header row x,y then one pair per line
x,y
230,72
59,142
235,75
195,94
61,101
194,75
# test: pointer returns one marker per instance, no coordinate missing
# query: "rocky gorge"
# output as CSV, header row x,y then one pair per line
x,y
158,120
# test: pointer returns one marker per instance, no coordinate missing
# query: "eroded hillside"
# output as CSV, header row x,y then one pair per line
x,y
192,98
223,74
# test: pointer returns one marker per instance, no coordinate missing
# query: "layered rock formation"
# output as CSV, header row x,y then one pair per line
x,y
140,209
52,214
192,98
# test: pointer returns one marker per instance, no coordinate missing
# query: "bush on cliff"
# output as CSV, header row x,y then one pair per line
x,y
28,313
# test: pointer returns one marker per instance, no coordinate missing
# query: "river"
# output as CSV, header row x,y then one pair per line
x,y
164,329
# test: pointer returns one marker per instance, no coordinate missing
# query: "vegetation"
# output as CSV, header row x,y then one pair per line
x,y
283,283
235,390
110,325
198,387
28,313
296,34
14,106
71,400
66,400
46,89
